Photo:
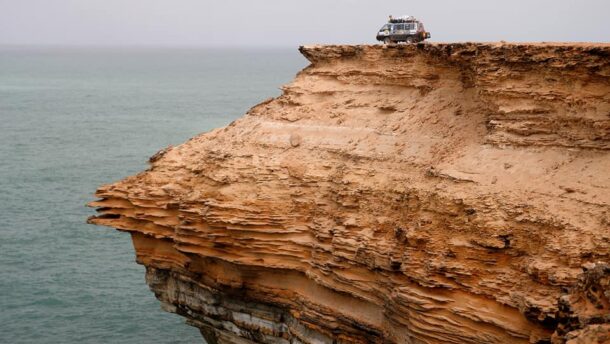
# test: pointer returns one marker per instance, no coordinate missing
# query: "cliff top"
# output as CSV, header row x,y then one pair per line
x,y
550,49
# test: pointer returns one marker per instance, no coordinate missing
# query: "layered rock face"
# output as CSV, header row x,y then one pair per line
x,y
431,193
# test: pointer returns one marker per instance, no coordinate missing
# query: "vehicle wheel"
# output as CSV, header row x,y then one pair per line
x,y
387,40
410,40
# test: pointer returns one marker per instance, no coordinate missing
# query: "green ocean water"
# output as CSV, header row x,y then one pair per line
x,y
75,118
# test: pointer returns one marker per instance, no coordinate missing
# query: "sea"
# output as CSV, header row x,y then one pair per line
x,y
74,118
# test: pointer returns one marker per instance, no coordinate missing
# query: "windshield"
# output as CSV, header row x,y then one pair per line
x,y
385,27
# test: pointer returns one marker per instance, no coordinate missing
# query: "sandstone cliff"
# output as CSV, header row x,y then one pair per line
x,y
431,193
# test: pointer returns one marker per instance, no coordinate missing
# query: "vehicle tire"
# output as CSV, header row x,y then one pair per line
x,y
410,40
387,40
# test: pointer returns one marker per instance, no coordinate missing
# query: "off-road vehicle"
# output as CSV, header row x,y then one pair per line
x,y
403,29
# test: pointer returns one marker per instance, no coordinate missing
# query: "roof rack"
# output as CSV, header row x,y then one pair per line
x,y
403,19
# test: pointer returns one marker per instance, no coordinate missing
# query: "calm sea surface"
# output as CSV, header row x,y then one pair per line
x,y
72,119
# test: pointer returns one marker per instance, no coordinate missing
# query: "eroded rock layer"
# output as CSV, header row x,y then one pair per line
x,y
431,193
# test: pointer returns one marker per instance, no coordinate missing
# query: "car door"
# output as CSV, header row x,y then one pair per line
x,y
399,32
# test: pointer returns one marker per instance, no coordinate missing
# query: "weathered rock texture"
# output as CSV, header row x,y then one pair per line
x,y
432,193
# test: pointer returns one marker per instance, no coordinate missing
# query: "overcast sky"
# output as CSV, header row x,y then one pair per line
x,y
292,23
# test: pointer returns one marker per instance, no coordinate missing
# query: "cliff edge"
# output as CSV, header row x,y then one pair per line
x,y
429,193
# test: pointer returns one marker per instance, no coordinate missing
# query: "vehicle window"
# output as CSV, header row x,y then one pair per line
x,y
399,27
385,27
410,26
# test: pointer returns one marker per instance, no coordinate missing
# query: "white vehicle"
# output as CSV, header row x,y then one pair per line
x,y
403,29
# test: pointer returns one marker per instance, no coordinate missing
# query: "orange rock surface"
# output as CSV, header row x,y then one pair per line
x,y
430,193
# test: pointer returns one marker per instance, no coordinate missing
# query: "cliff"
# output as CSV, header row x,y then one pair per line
x,y
430,193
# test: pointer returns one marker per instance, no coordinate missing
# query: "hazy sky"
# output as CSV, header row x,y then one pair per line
x,y
292,23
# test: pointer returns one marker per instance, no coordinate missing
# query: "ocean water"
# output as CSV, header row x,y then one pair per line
x,y
72,119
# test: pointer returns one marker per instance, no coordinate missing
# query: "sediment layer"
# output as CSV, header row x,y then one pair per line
x,y
430,193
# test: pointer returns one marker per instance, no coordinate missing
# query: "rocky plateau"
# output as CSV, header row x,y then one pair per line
x,y
423,193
